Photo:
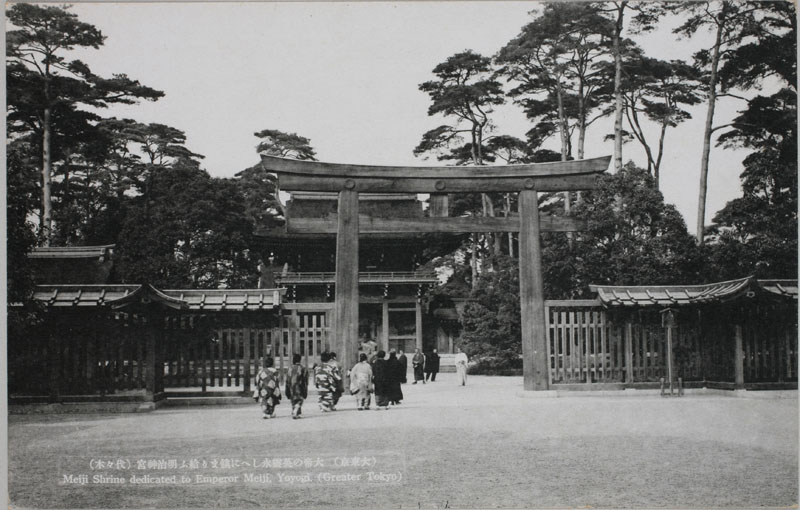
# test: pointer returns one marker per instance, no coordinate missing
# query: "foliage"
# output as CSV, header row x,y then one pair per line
x,y
491,319
757,232
465,90
658,90
495,366
557,63
284,145
633,238
45,90
190,232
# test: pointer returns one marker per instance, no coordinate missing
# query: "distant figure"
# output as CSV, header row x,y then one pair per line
x,y
369,347
340,381
361,382
297,386
461,367
418,362
381,378
431,366
395,371
327,379
401,357
269,393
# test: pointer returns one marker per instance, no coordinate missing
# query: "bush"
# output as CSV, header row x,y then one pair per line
x,y
496,366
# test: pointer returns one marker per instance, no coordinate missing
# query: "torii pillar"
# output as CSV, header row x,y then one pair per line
x,y
528,180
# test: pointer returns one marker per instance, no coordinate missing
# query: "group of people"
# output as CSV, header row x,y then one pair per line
x,y
371,375
426,366
268,391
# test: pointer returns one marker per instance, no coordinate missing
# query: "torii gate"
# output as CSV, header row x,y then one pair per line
x,y
349,180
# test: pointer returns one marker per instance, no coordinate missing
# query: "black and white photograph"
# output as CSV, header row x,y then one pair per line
x,y
403,255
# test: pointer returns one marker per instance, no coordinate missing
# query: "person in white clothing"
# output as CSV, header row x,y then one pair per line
x,y
461,366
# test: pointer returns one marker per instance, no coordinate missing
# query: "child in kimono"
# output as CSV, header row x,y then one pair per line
x,y
269,393
297,386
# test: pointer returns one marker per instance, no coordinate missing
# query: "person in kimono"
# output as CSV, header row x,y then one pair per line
x,y
381,377
337,369
325,379
297,386
418,362
361,382
461,367
269,393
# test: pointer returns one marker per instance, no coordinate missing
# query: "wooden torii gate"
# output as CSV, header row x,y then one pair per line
x,y
350,180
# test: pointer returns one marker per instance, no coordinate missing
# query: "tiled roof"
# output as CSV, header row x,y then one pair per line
x,y
118,296
229,299
676,295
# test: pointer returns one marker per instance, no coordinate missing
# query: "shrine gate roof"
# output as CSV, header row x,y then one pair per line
x,y
119,296
677,295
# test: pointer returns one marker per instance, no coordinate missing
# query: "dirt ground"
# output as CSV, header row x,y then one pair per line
x,y
446,446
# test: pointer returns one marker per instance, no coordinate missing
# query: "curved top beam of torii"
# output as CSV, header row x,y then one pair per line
x,y
297,175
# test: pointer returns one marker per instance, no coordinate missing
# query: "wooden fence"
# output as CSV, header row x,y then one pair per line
x,y
590,344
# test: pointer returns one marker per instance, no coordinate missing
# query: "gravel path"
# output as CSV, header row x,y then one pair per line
x,y
446,446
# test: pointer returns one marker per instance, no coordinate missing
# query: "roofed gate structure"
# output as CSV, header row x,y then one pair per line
x,y
350,180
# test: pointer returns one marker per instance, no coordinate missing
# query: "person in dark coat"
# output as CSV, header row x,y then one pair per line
x,y
431,366
381,378
396,372
401,357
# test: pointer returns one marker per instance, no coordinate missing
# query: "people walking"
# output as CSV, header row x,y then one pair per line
x,y
269,393
418,362
461,367
361,382
431,366
395,369
381,378
297,386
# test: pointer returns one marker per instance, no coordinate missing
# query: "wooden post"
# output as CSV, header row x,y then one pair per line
x,y
53,366
152,363
418,325
669,358
346,292
534,329
628,351
247,359
385,326
738,360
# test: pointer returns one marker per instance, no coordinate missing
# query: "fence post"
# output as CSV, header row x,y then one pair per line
x,y
53,367
628,351
739,358
247,360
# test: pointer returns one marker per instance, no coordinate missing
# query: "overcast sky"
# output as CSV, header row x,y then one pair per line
x,y
346,76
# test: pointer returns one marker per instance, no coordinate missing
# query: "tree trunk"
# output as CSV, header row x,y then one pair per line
x,y
657,165
562,119
712,101
618,86
47,204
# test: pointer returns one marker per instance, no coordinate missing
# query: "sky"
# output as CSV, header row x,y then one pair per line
x,y
346,76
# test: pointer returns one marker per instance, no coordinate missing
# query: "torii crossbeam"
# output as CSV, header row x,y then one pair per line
x,y
349,180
